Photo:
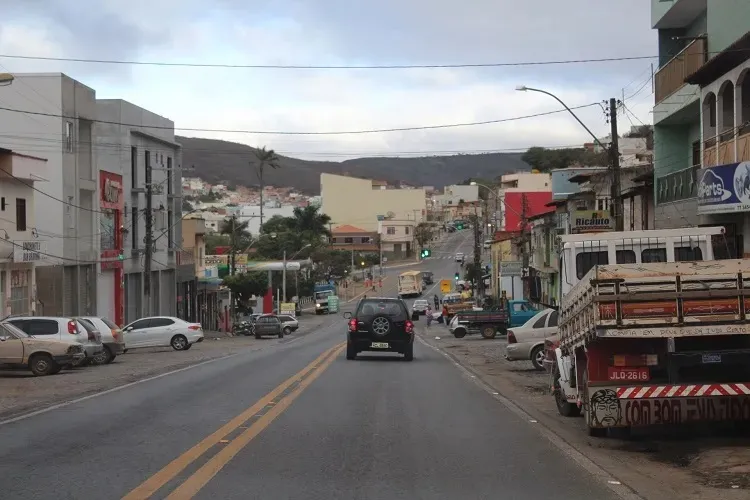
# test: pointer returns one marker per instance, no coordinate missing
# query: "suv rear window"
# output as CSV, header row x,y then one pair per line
x,y
394,309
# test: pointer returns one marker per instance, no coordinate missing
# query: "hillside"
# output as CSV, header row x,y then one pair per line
x,y
222,161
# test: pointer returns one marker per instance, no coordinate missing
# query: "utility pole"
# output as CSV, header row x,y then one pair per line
x,y
233,264
283,280
524,244
479,282
260,178
149,238
614,153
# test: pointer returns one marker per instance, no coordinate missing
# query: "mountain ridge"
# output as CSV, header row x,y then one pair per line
x,y
218,161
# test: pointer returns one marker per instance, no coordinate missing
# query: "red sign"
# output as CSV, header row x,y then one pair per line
x,y
622,374
112,205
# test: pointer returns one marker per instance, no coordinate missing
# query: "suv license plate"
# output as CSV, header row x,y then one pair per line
x,y
380,345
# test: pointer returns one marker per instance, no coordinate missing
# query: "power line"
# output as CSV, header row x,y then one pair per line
x,y
305,66
282,132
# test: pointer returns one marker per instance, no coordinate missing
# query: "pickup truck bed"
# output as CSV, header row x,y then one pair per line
x,y
488,323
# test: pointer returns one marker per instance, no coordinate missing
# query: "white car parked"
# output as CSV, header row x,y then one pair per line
x,y
162,331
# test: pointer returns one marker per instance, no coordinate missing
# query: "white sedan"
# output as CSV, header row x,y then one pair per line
x,y
162,331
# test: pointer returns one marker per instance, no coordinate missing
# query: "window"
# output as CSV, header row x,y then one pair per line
x,y
406,229
553,318
134,227
170,230
140,324
541,322
390,230
133,167
654,255
147,163
697,153
625,257
69,137
159,322
366,239
688,254
169,175
20,214
348,240
585,261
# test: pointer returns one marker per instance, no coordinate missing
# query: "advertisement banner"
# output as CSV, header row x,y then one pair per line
x,y
287,308
591,221
724,189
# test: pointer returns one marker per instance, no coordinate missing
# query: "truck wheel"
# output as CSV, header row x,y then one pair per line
x,y
537,357
488,332
459,333
563,407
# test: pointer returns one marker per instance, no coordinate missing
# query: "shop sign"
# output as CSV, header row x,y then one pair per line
x,y
724,189
29,251
591,221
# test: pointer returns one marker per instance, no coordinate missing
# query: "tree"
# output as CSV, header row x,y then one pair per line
x,y
244,285
214,240
187,206
264,158
237,233
309,221
545,160
423,234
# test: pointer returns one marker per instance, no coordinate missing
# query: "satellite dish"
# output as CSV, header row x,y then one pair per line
x,y
390,215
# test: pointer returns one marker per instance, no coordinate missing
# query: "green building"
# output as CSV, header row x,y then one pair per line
x,y
701,113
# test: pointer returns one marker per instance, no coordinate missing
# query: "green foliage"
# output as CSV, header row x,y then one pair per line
x,y
245,285
242,237
473,272
545,160
214,240
209,197
187,206
423,233
307,226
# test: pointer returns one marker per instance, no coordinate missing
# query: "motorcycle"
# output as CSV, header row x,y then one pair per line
x,y
243,328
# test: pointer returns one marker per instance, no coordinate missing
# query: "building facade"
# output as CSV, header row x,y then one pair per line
x,y
690,34
397,239
138,147
22,247
353,201
66,203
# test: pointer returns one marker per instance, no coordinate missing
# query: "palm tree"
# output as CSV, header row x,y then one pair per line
x,y
308,221
264,158
239,236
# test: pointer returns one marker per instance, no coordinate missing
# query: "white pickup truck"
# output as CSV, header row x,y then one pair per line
x,y
652,330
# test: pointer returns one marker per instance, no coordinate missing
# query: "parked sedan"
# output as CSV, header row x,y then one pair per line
x,y
526,343
162,331
65,329
268,324
289,323
41,356
112,339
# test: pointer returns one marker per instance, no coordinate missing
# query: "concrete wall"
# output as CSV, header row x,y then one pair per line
x,y
348,200
728,20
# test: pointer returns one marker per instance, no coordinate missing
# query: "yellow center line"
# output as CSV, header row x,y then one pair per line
x,y
202,476
170,471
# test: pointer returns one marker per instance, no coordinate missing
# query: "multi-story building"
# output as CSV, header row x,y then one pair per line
x,y
354,239
191,257
506,207
397,238
454,195
137,147
349,200
22,247
66,206
702,91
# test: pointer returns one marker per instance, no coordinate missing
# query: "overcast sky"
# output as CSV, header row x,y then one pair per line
x,y
346,32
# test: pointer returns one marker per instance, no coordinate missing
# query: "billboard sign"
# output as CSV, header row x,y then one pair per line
x,y
724,189
591,221
511,268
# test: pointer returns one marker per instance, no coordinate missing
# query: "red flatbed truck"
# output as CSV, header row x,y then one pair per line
x,y
652,330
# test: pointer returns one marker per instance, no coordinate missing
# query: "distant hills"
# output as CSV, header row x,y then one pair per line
x,y
218,161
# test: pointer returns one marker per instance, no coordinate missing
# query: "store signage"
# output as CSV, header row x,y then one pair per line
x,y
511,268
112,190
591,221
29,251
724,189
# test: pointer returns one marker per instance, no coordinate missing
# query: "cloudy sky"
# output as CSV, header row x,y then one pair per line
x,y
348,33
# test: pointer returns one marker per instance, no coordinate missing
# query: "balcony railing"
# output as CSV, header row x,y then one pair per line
x,y
671,76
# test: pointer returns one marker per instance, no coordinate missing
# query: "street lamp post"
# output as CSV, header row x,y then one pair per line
x,y
283,273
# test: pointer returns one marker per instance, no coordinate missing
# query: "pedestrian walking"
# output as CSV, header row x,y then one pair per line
x,y
429,316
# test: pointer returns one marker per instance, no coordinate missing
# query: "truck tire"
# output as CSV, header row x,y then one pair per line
x,y
489,332
563,407
459,333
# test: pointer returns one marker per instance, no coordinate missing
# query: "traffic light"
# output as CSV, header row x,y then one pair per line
x,y
426,253
456,276
460,225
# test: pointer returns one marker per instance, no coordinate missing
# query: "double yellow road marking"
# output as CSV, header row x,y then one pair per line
x,y
275,402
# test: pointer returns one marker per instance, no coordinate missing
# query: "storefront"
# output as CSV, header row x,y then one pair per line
x,y
111,283
724,200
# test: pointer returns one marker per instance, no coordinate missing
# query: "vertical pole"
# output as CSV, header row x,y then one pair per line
x,y
283,278
524,243
614,152
478,282
260,177
233,265
149,239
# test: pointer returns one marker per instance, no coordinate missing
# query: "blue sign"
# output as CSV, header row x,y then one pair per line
x,y
724,189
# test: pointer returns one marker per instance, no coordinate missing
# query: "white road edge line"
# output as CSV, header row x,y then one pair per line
x,y
63,404
611,482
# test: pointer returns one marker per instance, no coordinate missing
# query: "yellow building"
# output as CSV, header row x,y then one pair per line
x,y
502,249
359,202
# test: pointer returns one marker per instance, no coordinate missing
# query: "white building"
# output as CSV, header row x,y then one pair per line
x,y
65,203
20,245
453,195
140,148
251,214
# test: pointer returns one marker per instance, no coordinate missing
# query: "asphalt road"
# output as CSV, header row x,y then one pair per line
x,y
293,421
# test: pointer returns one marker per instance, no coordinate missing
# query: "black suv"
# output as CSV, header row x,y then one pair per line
x,y
380,324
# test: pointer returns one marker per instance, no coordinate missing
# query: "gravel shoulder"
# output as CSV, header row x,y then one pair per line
x,y
689,464
21,392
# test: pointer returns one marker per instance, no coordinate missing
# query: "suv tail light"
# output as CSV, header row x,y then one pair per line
x,y
194,327
352,325
512,337
409,326
72,328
